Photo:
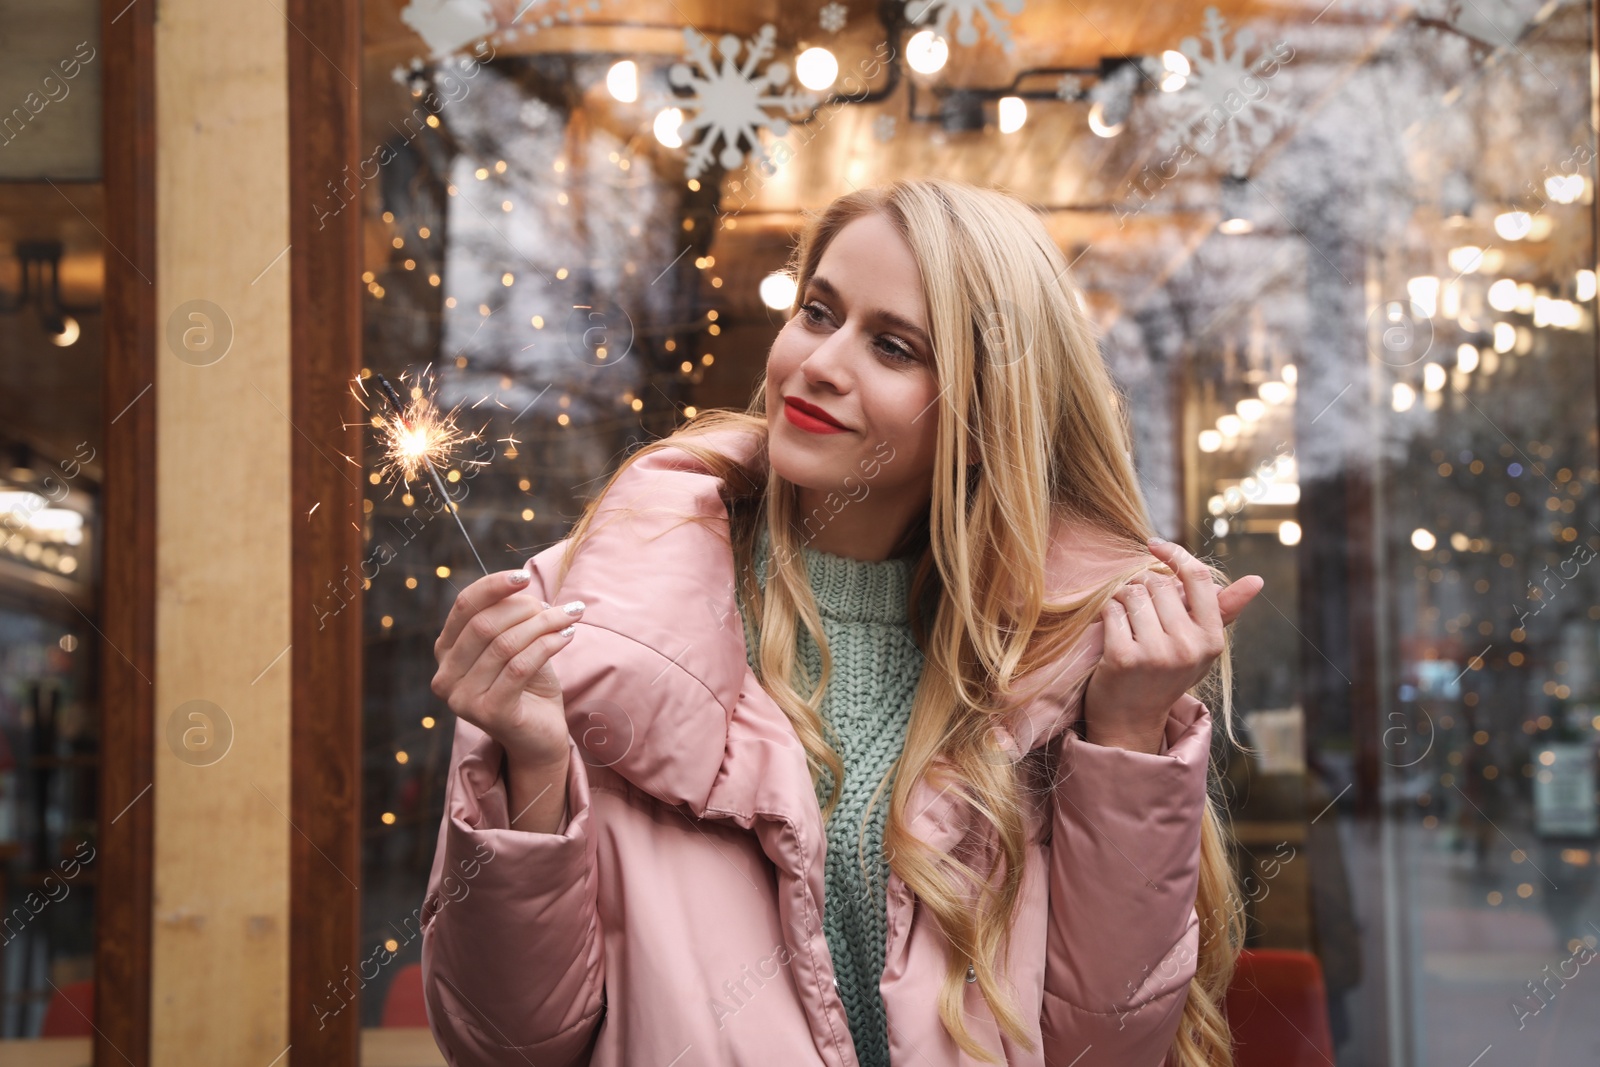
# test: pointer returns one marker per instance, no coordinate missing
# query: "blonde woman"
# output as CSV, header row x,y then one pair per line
x,y
856,727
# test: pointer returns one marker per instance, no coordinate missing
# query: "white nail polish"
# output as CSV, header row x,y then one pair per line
x,y
573,607
570,630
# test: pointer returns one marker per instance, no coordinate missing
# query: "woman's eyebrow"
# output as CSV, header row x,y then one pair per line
x,y
900,322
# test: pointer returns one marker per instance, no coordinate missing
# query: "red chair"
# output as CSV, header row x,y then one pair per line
x,y
71,1011
403,1004
1278,1010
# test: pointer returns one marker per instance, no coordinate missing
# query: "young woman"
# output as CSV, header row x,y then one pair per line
x,y
861,729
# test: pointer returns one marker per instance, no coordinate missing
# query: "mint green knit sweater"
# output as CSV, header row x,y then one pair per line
x,y
876,665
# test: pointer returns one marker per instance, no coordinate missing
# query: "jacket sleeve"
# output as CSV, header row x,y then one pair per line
x,y
1124,871
512,961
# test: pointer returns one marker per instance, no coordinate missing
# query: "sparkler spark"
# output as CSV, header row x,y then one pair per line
x,y
421,437
418,437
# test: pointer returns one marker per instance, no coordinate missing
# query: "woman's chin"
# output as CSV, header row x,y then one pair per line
x,y
804,471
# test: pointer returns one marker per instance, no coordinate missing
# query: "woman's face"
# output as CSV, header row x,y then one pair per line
x,y
859,350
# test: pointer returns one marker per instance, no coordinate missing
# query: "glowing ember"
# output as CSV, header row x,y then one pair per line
x,y
417,440
422,437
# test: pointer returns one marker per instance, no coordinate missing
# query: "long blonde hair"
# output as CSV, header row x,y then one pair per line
x,y
1031,428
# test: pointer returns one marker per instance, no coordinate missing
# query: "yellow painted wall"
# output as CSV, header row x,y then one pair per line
x,y
220,941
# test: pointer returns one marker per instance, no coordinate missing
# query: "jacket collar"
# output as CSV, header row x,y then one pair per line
x,y
656,672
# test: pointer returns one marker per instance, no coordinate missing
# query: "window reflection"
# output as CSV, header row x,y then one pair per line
x,y
51,465
1343,266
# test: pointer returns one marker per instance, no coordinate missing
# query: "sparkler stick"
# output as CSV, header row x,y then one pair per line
x,y
413,450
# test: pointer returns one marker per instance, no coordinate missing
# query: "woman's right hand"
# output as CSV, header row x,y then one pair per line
x,y
494,666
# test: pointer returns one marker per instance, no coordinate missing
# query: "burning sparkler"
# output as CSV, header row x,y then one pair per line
x,y
418,434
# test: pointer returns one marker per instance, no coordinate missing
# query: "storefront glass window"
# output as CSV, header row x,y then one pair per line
x,y
1342,264
51,466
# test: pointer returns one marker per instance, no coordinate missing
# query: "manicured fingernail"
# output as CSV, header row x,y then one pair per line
x,y
546,603
1157,540
573,608
570,630
518,577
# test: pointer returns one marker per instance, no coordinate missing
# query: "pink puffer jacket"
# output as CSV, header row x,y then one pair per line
x,y
676,918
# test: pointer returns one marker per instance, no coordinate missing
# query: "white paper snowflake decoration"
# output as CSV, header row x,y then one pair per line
x,y
448,24
966,14
1070,87
730,100
832,17
1221,106
883,128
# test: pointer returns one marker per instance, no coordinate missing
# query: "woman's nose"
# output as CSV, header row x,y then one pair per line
x,y
828,362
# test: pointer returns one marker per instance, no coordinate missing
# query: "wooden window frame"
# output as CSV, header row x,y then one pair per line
x,y
324,46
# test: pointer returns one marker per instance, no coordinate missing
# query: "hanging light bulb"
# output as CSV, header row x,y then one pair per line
x,y
666,125
1235,196
64,331
927,52
816,68
622,81
1098,124
1176,66
1112,98
1013,113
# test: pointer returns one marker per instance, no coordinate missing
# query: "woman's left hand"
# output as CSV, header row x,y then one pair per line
x,y
1157,646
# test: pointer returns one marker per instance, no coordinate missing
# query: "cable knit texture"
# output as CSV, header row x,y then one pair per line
x,y
876,665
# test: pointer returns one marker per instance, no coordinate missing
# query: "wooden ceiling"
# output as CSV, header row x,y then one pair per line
x,y
1055,162
1078,180
1046,33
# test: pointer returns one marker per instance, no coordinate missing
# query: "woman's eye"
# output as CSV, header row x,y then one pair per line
x,y
896,350
816,314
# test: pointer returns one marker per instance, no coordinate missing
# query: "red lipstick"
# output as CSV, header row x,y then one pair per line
x,y
811,418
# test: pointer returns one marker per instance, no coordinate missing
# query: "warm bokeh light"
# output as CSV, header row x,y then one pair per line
x,y
622,81
927,52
